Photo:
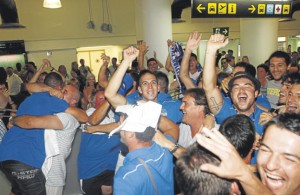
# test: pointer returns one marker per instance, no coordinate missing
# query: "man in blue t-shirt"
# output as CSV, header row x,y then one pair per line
x,y
243,88
148,167
22,152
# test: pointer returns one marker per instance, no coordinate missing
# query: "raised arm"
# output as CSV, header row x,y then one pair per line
x,y
102,76
158,62
41,69
168,65
213,94
232,165
192,44
111,91
143,48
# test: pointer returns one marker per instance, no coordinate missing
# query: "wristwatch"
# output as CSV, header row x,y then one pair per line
x,y
176,146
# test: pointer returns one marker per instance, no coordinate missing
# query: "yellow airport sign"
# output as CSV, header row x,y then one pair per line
x,y
222,8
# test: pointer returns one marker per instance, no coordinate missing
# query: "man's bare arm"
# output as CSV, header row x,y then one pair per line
x,y
99,114
34,122
105,128
168,127
160,139
102,76
143,48
111,91
213,94
78,113
192,44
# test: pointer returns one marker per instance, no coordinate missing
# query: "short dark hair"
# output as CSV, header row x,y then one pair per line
x,y
151,59
281,54
147,135
142,73
229,58
221,77
19,66
33,64
240,132
291,77
164,78
199,96
191,180
264,67
288,121
4,83
194,56
53,80
248,68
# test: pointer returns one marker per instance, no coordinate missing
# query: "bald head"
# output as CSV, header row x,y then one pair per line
x,y
71,95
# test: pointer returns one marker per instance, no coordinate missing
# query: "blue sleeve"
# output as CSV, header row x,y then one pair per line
x,y
123,186
263,101
226,111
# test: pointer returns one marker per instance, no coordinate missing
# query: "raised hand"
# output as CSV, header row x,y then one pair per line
x,y
265,117
130,54
193,41
217,41
169,42
46,64
105,58
142,46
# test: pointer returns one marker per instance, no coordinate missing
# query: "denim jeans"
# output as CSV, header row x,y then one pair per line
x,y
25,180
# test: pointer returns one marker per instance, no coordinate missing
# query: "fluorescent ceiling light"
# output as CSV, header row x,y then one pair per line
x,y
52,4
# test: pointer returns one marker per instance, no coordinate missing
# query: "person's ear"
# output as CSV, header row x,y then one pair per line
x,y
130,135
234,189
256,93
140,89
73,102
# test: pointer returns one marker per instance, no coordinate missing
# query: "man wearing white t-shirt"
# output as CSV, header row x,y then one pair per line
x,y
194,107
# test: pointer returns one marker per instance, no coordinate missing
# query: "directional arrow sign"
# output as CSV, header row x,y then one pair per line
x,y
242,9
221,30
200,8
252,9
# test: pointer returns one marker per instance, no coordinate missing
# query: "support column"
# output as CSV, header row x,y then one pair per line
x,y
154,25
258,38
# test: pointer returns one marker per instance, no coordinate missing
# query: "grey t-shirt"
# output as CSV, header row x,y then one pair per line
x,y
273,90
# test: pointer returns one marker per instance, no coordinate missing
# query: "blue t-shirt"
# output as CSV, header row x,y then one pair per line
x,y
228,110
28,146
97,153
170,107
132,178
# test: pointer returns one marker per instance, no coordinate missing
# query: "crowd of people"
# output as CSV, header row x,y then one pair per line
x,y
233,129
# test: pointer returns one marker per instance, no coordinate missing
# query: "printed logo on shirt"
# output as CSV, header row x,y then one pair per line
x,y
273,91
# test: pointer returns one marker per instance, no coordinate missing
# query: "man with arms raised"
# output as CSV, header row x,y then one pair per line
x,y
148,87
